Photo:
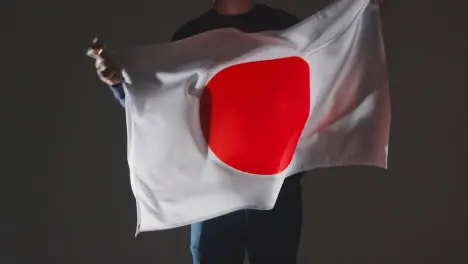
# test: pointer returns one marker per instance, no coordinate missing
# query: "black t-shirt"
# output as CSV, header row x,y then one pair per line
x,y
260,18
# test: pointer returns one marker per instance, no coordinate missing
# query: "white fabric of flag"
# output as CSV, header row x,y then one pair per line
x,y
217,121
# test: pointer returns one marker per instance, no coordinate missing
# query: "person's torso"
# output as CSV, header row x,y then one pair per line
x,y
260,18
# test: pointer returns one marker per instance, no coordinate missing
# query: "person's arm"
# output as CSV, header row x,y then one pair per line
x,y
119,93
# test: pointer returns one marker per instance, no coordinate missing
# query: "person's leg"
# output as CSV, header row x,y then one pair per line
x,y
220,240
274,235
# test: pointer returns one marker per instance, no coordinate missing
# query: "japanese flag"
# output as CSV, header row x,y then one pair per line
x,y
217,121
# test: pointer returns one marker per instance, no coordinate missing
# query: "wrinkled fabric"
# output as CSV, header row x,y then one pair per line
x,y
179,177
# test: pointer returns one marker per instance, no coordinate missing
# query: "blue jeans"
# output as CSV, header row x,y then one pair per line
x,y
268,237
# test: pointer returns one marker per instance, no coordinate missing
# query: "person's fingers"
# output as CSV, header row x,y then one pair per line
x,y
96,49
100,55
95,54
98,62
107,73
104,69
96,44
110,76
101,64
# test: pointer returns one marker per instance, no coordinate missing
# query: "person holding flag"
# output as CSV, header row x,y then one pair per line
x,y
270,236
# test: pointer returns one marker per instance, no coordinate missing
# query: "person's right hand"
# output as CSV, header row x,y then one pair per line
x,y
106,69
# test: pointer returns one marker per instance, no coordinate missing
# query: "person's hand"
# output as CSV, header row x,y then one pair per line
x,y
106,69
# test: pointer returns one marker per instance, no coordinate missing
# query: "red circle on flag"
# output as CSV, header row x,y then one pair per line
x,y
252,114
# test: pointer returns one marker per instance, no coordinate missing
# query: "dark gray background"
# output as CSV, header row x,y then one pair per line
x,y
65,187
